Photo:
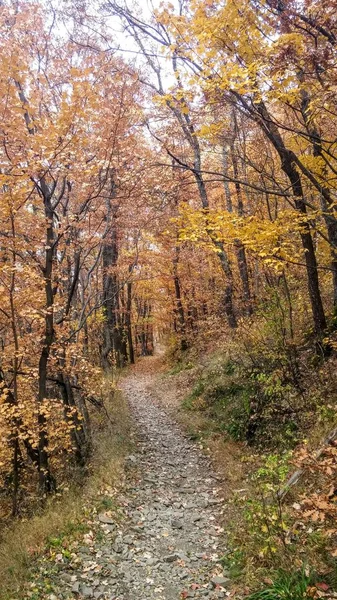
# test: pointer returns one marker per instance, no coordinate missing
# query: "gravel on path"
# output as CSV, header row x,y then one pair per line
x,y
168,545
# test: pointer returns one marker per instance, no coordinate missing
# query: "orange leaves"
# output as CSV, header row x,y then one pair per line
x,y
67,115
320,506
320,590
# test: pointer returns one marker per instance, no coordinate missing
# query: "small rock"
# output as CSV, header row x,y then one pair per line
x,y
183,574
183,556
128,539
117,547
176,524
218,580
76,588
151,562
138,528
87,592
215,501
171,558
106,519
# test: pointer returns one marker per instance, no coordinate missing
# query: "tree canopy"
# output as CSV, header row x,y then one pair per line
x,y
167,181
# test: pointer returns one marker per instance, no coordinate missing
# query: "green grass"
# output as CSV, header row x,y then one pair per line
x,y
287,586
180,366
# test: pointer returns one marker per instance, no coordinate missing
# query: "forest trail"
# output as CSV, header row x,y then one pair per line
x,y
174,526
169,543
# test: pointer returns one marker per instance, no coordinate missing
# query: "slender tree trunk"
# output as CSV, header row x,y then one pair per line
x,y
221,252
149,331
14,440
79,439
179,309
327,202
228,195
16,453
128,318
240,249
289,167
47,482
112,331
309,251
121,318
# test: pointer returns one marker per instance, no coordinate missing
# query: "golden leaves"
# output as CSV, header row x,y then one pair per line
x,y
275,242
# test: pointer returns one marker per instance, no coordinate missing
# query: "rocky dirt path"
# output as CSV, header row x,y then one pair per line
x,y
168,544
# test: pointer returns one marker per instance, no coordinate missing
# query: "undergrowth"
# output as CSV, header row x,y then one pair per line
x,y
65,517
274,399
287,586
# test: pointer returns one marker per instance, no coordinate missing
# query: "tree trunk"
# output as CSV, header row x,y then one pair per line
x,y
289,168
327,202
112,350
240,249
220,250
47,482
179,309
128,318
78,435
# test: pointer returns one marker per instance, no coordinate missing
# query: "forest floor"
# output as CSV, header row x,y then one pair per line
x,y
165,541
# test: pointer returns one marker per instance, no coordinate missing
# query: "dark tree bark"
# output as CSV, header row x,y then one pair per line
x,y
79,439
144,327
179,309
260,113
112,352
128,318
47,482
290,18
239,247
327,202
